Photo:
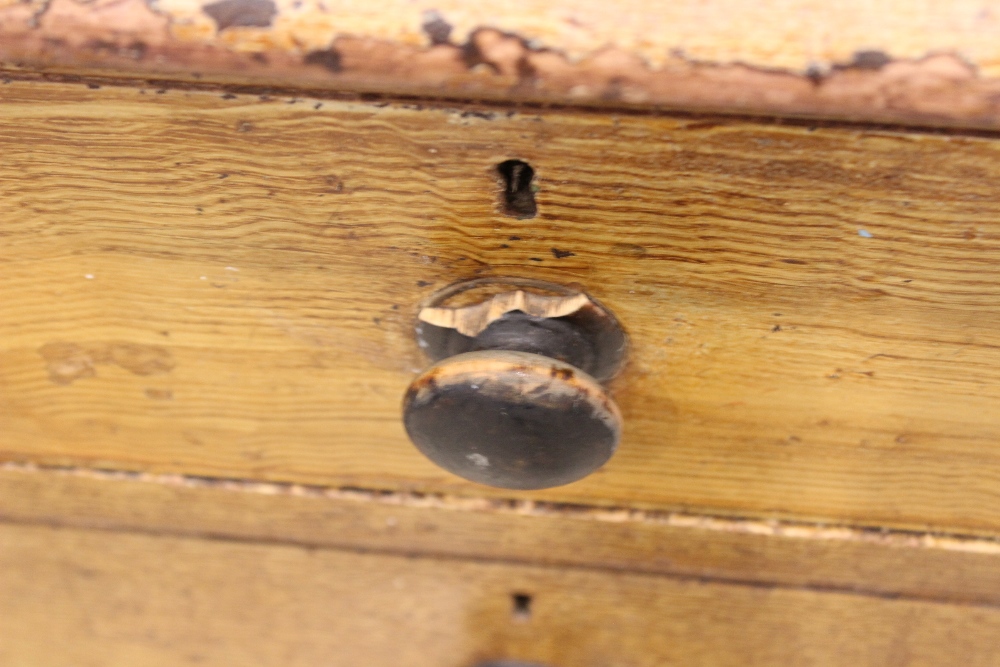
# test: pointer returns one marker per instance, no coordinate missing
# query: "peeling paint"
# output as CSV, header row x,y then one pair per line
x,y
242,13
839,60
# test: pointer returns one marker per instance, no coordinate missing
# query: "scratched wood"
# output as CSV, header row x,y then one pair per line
x,y
931,63
140,599
820,558
226,286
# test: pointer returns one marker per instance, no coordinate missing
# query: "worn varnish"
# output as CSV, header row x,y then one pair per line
x,y
929,63
226,285
141,599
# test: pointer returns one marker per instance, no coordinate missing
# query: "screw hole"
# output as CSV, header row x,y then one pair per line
x,y
521,606
517,199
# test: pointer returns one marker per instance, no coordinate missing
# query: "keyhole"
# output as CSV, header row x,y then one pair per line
x,y
521,606
518,196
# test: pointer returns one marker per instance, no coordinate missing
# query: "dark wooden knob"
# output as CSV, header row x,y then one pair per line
x,y
512,419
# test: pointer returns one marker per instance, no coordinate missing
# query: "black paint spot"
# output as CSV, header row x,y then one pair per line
x,y
560,254
93,86
870,59
517,197
473,56
242,13
436,28
485,115
423,283
330,59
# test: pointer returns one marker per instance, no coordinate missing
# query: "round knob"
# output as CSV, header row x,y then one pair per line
x,y
512,419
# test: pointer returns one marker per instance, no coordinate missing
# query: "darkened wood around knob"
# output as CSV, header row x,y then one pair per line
x,y
510,402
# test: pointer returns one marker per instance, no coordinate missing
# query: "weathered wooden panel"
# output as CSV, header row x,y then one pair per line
x,y
804,556
72,597
225,286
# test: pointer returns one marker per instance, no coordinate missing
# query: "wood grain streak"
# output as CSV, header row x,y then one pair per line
x,y
812,312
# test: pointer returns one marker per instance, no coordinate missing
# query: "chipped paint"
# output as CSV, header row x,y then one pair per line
x,y
854,60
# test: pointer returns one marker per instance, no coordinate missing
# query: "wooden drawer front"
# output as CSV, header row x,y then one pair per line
x,y
225,285
96,598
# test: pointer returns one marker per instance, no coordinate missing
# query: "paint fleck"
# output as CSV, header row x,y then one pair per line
x,y
479,460
231,268
436,28
328,59
870,59
864,233
242,13
89,276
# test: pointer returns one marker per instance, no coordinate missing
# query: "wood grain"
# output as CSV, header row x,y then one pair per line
x,y
768,554
147,600
931,63
226,286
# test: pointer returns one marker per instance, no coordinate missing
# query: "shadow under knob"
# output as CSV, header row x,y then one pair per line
x,y
510,419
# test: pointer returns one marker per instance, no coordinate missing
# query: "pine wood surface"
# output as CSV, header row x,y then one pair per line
x,y
78,597
769,554
934,62
225,285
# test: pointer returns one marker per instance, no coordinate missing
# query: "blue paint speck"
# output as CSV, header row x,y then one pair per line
x,y
865,234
